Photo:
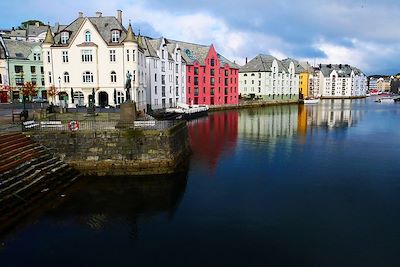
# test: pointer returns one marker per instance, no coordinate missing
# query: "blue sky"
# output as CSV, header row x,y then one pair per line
x,y
362,33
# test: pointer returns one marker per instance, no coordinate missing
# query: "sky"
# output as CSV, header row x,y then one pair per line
x,y
362,33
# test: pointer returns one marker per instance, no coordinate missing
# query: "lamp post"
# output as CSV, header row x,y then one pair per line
x,y
59,90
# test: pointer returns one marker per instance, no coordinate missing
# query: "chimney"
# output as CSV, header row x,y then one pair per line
x,y
98,14
246,60
80,14
119,16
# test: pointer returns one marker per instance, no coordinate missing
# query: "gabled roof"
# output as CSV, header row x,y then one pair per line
x,y
297,66
148,49
262,63
19,49
104,26
3,49
343,70
34,30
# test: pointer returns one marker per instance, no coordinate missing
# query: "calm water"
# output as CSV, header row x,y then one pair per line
x,y
277,186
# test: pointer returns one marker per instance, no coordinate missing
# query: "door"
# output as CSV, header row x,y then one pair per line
x,y
103,99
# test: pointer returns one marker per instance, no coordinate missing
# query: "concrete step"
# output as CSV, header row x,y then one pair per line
x,y
41,165
18,150
25,165
11,163
20,153
10,146
12,139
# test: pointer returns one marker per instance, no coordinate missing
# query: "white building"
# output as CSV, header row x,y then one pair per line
x,y
340,80
167,69
95,55
3,72
268,78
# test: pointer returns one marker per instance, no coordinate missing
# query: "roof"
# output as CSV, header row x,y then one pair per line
x,y
297,66
34,30
104,26
19,49
343,70
196,52
262,63
18,33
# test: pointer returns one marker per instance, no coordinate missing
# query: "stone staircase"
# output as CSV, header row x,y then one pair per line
x,y
28,173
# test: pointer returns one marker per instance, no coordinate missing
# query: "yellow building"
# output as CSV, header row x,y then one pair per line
x,y
304,84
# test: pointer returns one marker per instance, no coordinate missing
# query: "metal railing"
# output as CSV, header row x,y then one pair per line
x,y
95,125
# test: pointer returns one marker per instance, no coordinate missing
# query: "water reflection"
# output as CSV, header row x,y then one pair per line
x,y
213,136
95,203
336,113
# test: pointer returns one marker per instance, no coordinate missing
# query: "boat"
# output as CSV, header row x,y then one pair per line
x,y
187,112
386,100
374,92
310,101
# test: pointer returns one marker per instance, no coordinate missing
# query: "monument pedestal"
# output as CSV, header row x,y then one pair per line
x,y
127,115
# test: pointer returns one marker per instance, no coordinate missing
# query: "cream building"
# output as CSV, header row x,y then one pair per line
x,y
95,55
268,78
339,81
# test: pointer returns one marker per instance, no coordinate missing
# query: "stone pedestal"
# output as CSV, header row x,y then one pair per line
x,y
127,115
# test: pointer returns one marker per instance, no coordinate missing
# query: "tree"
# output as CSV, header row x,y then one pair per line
x,y
52,93
24,25
28,90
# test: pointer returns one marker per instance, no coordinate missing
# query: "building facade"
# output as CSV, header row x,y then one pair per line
x,y
265,77
338,81
4,93
94,59
25,64
383,84
211,79
167,73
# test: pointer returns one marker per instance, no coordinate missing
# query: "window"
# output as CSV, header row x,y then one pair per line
x,y
42,81
113,77
259,75
162,79
155,90
65,56
112,55
120,97
87,55
226,72
196,71
196,80
133,55
162,54
48,57
1,79
64,37
19,69
212,62
66,77
176,80
212,72
212,80
162,66
127,55
163,91
33,69
42,70
36,56
50,80
88,37
87,77
115,36
176,68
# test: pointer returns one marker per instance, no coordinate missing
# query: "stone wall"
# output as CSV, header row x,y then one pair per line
x,y
121,151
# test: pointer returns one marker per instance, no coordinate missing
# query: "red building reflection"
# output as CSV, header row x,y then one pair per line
x,y
213,136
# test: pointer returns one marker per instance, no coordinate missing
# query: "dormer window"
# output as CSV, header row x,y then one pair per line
x,y
115,35
64,37
88,37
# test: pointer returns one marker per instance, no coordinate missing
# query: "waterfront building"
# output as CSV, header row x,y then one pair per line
x,y
265,77
383,84
95,56
340,80
211,79
3,72
25,64
372,83
167,73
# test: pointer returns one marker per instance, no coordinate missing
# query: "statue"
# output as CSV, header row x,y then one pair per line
x,y
128,86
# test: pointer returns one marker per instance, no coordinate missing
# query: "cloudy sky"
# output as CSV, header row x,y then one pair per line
x,y
363,33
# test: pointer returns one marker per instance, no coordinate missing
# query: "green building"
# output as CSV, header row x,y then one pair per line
x,y
25,64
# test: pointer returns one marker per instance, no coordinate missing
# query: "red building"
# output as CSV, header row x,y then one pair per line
x,y
211,79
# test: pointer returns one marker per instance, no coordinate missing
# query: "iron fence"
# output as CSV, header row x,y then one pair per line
x,y
95,125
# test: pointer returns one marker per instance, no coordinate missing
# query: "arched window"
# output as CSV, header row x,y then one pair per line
x,y
66,77
115,36
113,77
87,77
88,36
64,37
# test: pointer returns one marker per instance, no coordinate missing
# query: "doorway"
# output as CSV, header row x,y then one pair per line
x,y
103,99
